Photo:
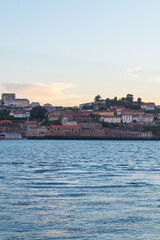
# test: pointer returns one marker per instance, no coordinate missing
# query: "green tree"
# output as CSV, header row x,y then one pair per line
x,y
115,99
139,100
123,99
4,115
38,113
97,98
129,98
107,102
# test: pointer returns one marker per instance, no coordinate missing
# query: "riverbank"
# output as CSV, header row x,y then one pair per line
x,y
88,138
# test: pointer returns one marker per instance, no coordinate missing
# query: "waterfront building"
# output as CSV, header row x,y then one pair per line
x,y
91,125
128,134
92,132
39,130
9,130
62,130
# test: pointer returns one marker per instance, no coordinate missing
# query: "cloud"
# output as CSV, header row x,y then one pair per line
x,y
155,79
131,73
42,92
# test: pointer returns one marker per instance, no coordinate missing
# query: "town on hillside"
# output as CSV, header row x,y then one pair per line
x,y
124,118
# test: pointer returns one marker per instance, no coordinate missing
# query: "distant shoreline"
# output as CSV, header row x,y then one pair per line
x,y
88,138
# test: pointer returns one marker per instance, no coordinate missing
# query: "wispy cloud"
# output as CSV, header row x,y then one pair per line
x,y
131,73
42,92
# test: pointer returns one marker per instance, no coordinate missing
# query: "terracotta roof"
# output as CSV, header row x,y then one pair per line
x,y
111,116
10,125
147,116
137,116
65,126
5,121
148,104
18,111
105,111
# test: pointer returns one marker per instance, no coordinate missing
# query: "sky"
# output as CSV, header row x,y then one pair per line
x,y
66,52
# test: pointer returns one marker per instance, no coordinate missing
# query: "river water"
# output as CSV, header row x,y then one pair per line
x,y
79,190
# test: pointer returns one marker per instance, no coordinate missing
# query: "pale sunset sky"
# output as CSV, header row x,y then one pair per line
x,y
65,52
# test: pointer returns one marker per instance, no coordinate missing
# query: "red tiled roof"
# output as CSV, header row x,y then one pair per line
x,y
5,121
65,126
148,104
147,116
111,116
106,111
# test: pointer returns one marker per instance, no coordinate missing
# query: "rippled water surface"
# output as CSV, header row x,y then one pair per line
x,y
79,190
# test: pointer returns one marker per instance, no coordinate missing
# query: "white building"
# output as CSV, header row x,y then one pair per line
x,y
146,118
68,123
146,134
17,103
148,106
137,118
111,119
9,99
18,114
127,118
119,111
8,96
11,136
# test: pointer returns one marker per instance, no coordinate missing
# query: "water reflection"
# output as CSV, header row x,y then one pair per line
x,y
79,190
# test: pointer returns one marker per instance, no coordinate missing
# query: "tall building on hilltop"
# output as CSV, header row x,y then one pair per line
x,y
9,99
8,96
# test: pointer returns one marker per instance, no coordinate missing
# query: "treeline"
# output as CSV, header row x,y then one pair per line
x,y
126,102
4,115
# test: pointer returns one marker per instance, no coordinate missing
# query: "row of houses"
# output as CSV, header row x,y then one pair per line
x,y
80,131
146,118
109,116
9,130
